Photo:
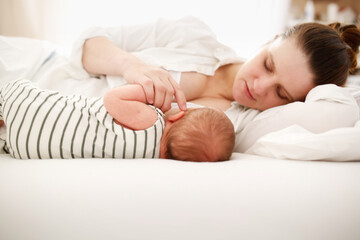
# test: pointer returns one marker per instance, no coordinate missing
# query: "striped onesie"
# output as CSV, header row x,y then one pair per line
x,y
45,124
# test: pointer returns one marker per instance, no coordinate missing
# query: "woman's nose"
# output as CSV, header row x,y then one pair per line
x,y
262,86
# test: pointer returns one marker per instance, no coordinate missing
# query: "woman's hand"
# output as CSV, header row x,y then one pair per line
x,y
160,88
103,57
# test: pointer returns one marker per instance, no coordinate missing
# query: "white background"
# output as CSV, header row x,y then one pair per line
x,y
242,25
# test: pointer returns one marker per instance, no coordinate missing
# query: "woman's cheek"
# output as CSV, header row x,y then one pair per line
x,y
238,91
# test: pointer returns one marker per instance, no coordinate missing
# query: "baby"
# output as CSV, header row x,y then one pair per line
x,y
45,124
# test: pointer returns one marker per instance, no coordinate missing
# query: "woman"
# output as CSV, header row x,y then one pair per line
x,y
283,71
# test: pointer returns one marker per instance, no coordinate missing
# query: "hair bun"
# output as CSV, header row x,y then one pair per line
x,y
350,35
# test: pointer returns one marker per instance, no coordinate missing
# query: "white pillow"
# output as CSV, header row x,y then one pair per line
x,y
326,107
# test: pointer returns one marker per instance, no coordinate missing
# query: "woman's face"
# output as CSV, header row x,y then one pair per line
x,y
278,74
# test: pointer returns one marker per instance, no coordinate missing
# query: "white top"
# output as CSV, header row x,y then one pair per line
x,y
181,45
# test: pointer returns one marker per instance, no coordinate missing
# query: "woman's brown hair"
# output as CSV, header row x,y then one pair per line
x,y
331,50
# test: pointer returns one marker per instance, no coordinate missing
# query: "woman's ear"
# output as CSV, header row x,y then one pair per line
x,y
176,116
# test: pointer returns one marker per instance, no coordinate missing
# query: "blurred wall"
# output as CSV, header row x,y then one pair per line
x,y
43,19
243,25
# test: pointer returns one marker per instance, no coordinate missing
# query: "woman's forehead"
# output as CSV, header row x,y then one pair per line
x,y
292,68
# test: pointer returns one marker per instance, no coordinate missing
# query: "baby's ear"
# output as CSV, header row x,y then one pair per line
x,y
176,116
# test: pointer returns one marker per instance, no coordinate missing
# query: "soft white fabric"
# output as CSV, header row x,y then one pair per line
x,y
295,142
186,44
249,197
22,57
355,91
332,132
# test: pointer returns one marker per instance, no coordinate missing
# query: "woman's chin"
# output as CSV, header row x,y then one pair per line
x,y
242,100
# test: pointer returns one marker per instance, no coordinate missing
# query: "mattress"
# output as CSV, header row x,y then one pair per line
x,y
249,197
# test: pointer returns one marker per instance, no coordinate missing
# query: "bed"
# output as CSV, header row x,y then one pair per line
x,y
249,197
269,192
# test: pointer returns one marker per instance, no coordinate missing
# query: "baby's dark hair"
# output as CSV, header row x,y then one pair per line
x,y
331,50
201,135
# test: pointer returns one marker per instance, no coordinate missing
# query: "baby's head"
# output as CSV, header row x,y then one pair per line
x,y
199,134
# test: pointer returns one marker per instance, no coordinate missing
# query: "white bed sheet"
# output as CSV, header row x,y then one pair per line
x,y
249,197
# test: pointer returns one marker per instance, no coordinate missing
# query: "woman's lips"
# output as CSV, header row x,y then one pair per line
x,y
248,93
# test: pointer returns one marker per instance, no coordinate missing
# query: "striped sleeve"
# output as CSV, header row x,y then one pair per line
x,y
44,124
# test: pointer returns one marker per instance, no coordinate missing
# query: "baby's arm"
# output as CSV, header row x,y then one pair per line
x,y
127,105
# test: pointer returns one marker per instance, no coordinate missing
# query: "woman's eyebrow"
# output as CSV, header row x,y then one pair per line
x,y
273,68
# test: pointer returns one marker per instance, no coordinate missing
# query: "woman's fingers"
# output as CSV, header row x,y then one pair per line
x,y
165,90
148,86
159,87
160,92
168,98
164,93
179,94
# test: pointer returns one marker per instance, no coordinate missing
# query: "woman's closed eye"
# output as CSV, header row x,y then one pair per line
x,y
280,92
267,65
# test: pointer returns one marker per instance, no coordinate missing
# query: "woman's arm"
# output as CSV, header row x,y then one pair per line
x,y
101,56
111,54
127,105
